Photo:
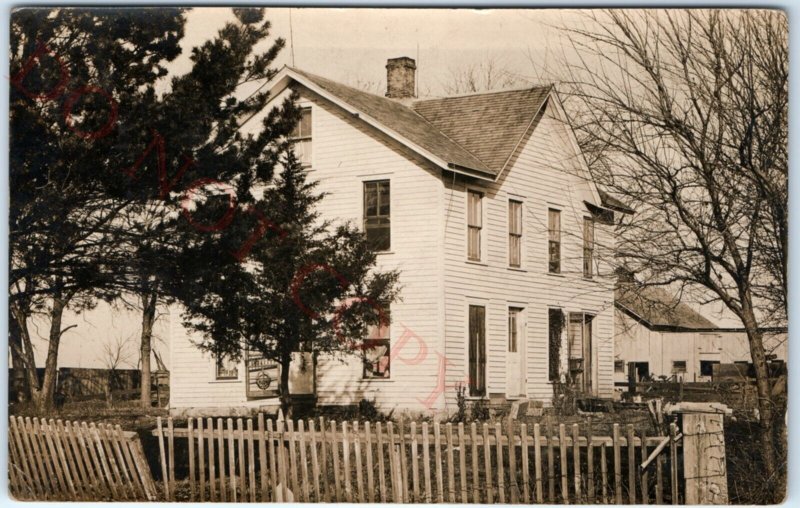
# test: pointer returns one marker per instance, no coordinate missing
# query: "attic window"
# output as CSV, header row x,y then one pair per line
x,y
301,138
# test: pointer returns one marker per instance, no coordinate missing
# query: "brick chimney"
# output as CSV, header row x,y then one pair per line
x,y
400,78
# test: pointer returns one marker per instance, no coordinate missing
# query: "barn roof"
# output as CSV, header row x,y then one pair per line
x,y
656,308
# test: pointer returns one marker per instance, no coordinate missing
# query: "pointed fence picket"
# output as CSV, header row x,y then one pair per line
x,y
56,460
413,462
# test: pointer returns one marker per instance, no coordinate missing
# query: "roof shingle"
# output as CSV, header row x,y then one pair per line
x,y
402,120
489,125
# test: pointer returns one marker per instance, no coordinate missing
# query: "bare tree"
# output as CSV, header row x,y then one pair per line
x,y
116,353
684,115
487,75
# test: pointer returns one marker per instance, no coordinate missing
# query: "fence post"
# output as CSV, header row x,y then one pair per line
x,y
704,469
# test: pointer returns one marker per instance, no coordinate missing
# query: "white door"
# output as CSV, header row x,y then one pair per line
x,y
515,369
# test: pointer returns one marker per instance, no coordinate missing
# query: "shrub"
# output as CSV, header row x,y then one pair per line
x,y
461,404
480,411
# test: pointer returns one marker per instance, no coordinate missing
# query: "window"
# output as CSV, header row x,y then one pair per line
x,y
555,319
377,223
301,138
707,367
619,366
554,240
679,367
477,351
514,233
377,348
227,368
513,329
474,224
588,248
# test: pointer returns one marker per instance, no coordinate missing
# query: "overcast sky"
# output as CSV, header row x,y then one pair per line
x,y
351,45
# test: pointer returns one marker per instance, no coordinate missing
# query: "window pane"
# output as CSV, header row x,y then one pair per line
x,y
378,236
227,368
477,350
474,243
305,123
554,225
474,209
514,248
377,224
554,243
515,217
381,330
370,199
302,150
376,359
513,330
383,198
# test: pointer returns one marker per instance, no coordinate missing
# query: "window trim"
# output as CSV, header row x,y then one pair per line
x,y
565,315
521,234
217,364
482,230
591,266
364,182
387,339
674,369
477,302
560,242
309,138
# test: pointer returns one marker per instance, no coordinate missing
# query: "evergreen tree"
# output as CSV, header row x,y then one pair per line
x,y
307,285
101,162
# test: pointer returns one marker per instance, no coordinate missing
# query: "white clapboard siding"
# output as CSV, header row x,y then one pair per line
x,y
635,342
544,172
345,153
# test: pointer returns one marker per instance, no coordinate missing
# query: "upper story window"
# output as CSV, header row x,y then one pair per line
x,y
377,222
377,355
301,138
474,224
227,368
588,248
554,240
514,233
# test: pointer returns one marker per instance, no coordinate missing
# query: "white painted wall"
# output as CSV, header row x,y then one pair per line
x,y
429,248
545,173
634,342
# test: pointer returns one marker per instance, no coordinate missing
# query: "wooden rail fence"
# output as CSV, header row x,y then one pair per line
x,y
328,461
55,460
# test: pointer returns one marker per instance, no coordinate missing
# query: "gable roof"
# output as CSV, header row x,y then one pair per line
x,y
403,120
657,309
489,125
475,135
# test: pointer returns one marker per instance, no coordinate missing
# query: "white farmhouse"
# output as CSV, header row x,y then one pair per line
x,y
485,204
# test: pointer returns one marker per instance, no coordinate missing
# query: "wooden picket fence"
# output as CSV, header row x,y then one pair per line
x,y
55,460
328,461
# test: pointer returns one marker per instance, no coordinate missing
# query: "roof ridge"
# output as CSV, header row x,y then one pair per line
x,y
488,92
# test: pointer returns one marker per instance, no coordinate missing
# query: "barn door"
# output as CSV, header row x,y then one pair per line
x,y
261,376
477,351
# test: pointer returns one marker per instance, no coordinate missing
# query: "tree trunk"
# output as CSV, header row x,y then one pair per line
x,y
765,407
149,302
22,350
285,396
43,398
